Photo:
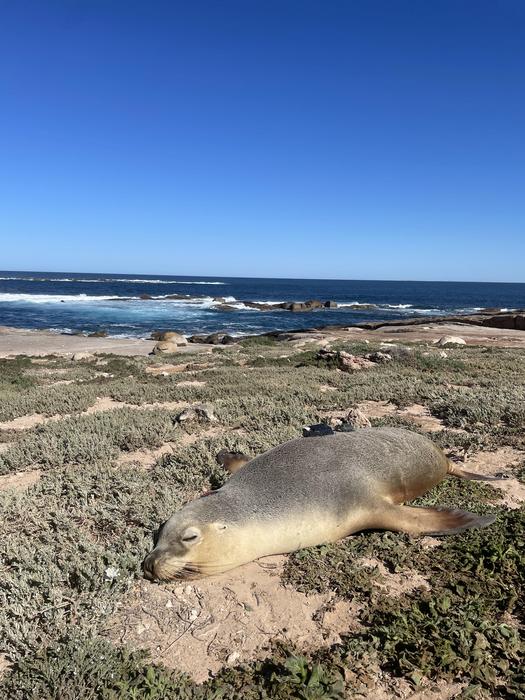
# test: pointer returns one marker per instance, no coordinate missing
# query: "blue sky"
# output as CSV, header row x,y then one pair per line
x,y
326,139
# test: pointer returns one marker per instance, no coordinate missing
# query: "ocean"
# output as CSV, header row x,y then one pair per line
x,y
71,302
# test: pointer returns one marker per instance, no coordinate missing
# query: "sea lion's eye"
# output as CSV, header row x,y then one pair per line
x,y
190,535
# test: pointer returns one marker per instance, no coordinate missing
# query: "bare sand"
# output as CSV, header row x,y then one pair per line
x,y
15,341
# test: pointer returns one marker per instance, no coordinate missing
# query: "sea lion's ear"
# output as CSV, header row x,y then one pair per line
x,y
191,536
220,526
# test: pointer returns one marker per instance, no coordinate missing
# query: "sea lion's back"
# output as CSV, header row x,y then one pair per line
x,y
343,466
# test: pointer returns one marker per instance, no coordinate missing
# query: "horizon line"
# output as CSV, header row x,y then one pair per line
x,y
300,279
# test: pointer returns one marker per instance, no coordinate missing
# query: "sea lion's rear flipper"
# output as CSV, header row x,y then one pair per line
x,y
431,521
454,470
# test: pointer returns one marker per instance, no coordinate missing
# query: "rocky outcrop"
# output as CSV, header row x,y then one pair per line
x,y
379,357
449,340
197,412
310,305
79,356
213,339
344,360
356,419
511,321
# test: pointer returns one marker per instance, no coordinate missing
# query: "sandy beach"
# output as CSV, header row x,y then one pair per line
x,y
15,341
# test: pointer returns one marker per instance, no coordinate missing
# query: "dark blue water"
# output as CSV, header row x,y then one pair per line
x,y
88,302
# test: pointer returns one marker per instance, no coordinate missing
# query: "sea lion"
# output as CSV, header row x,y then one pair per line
x,y
308,492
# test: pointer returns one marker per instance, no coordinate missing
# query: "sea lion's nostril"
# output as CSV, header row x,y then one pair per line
x,y
148,567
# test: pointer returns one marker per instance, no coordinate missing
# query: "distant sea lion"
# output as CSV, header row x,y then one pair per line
x,y
308,492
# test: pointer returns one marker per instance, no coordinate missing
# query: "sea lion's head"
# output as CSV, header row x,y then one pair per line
x,y
193,543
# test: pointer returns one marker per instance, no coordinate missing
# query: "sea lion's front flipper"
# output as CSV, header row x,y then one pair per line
x,y
430,521
232,461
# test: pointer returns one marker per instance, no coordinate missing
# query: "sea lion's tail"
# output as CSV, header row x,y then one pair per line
x,y
454,470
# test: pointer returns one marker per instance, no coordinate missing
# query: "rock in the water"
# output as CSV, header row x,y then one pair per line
x,y
380,358
297,306
145,297
98,334
231,461
330,305
447,340
317,430
197,412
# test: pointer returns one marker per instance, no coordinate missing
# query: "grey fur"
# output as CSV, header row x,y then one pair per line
x,y
338,473
321,489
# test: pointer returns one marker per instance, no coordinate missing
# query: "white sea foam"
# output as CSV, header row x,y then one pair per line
x,y
51,298
107,280
88,298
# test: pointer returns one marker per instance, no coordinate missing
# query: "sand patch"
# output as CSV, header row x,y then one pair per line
x,y
19,482
377,409
201,627
190,438
103,403
422,417
4,664
502,460
324,388
24,422
396,584
417,413
144,458
165,370
191,382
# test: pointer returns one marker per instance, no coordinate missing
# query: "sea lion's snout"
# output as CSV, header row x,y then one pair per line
x,y
173,555
160,566
148,566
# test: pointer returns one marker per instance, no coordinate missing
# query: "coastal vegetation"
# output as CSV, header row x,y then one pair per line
x,y
107,460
